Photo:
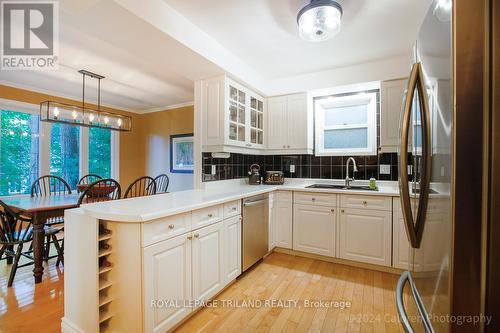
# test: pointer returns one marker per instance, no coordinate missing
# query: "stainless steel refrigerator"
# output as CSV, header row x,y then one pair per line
x,y
425,157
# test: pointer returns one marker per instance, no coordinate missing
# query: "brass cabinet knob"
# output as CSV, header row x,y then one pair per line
x,y
333,210
190,237
342,211
196,235
210,215
313,199
170,226
364,202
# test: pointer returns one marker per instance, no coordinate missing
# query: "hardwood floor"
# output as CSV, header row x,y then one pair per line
x,y
286,277
26,307
29,308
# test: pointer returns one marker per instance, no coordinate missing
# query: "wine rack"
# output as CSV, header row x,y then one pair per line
x,y
105,249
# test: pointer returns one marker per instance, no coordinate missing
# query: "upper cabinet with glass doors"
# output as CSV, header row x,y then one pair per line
x,y
232,117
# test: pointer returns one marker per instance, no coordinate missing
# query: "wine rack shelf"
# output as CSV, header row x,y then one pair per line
x,y
105,239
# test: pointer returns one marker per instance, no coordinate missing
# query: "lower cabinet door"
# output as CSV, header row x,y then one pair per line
x,y
283,223
365,236
232,248
167,277
314,229
208,261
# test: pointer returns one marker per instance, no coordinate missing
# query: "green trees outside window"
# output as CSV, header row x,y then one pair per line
x,y
65,152
100,152
19,151
20,135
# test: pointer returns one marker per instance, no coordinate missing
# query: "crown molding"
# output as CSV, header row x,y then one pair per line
x,y
167,107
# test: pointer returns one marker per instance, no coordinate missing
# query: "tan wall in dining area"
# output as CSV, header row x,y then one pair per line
x,y
132,148
158,127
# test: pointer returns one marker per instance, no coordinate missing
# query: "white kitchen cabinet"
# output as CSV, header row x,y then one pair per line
x,y
391,103
232,248
314,229
288,127
167,276
283,219
232,117
208,261
365,235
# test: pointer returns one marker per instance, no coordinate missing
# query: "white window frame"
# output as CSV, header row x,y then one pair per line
x,y
369,99
45,136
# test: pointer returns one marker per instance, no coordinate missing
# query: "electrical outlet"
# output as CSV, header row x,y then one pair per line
x,y
292,168
214,169
385,169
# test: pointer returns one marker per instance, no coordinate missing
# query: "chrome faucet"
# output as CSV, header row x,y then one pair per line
x,y
355,169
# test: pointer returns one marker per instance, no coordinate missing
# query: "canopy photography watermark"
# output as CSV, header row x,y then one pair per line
x,y
29,35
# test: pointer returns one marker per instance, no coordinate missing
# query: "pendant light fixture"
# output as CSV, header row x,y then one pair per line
x,y
55,112
319,20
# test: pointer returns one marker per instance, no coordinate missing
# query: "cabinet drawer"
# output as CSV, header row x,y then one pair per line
x,y
317,199
232,208
165,228
283,196
365,201
206,216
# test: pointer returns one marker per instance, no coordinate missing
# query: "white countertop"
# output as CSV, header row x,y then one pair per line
x,y
148,208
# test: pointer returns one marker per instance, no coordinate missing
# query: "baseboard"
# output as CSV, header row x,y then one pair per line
x,y
67,326
373,267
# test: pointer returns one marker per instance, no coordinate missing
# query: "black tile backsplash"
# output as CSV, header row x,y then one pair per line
x,y
306,166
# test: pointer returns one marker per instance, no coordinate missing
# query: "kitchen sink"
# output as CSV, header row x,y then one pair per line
x,y
342,187
417,191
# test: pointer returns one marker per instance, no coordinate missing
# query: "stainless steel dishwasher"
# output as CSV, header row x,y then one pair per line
x,y
255,230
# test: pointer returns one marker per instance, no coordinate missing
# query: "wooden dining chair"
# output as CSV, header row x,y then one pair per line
x,y
141,187
101,190
15,231
89,179
49,185
162,182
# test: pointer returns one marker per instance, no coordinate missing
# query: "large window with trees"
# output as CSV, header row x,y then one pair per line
x,y
30,148
100,152
65,153
19,151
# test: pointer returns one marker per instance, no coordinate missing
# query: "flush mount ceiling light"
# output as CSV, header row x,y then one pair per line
x,y
319,20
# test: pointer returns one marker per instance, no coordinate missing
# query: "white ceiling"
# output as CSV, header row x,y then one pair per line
x,y
263,33
144,68
151,51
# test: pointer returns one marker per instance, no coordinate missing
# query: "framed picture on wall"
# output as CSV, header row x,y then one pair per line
x,y
182,153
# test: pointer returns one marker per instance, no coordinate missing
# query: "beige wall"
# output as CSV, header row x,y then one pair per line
x,y
158,127
131,143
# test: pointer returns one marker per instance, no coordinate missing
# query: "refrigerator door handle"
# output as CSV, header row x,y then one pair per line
x,y
403,316
403,279
415,228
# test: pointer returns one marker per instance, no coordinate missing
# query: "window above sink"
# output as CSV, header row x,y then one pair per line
x,y
346,124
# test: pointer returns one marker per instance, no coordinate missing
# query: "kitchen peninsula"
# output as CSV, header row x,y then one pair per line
x,y
126,254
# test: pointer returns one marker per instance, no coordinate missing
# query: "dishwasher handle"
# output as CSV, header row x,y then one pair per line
x,y
254,203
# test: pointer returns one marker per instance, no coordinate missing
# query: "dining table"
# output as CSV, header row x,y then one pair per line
x,y
40,209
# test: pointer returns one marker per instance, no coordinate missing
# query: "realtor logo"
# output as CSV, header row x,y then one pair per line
x,y
29,35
